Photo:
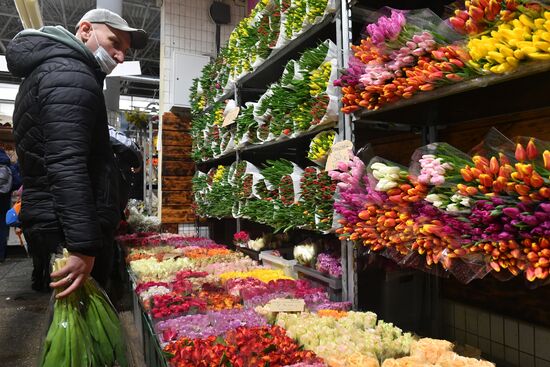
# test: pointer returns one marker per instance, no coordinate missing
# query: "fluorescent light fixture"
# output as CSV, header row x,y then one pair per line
x,y
126,68
3,64
29,12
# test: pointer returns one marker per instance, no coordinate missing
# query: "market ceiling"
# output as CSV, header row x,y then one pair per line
x,y
143,14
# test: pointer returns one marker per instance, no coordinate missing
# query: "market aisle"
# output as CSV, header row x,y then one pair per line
x,y
23,314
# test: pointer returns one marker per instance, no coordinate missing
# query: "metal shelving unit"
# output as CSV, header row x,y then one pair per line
x,y
391,118
253,84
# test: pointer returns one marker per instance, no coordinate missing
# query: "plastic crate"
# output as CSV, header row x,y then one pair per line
x,y
278,262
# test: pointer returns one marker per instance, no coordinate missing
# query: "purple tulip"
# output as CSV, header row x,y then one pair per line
x,y
545,207
530,220
511,212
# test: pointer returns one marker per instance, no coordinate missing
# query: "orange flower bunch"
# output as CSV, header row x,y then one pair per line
x,y
529,255
332,313
137,256
217,301
495,176
200,253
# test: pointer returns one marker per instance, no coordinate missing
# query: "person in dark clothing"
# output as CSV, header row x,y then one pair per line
x,y
9,181
129,159
70,194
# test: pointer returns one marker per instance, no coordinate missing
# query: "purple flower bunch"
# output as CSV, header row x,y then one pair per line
x,y
355,189
352,74
387,28
213,323
263,299
330,264
492,220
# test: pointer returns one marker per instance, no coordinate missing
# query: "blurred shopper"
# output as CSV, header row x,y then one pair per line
x,y
62,139
9,181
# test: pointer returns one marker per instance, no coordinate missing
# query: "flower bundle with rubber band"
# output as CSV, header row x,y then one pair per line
x,y
85,330
320,146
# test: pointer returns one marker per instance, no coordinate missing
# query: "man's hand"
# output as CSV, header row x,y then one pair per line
x,y
73,274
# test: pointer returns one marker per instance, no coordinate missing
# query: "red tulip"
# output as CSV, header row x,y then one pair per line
x,y
520,153
531,150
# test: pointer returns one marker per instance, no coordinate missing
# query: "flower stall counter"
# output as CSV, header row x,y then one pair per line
x,y
217,309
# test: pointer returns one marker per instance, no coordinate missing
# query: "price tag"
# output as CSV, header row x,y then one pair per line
x,y
231,117
286,305
338,153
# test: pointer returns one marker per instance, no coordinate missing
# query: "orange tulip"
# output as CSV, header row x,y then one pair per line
x,y
494,167
485,180
523,190
466,174
524,169
471,190
546,157
536,180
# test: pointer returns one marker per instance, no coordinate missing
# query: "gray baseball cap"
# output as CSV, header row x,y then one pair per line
x,y
138,36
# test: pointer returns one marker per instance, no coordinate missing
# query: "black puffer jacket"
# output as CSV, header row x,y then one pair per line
x,y
62,141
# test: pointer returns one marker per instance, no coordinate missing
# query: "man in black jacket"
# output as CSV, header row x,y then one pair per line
x,y
62,139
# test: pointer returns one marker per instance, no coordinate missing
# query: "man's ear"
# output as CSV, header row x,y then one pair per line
x,y
85,30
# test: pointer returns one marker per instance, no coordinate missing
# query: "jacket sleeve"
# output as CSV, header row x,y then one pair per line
x,y
68,101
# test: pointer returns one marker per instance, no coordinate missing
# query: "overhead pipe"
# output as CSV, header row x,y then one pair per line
x,y
29,13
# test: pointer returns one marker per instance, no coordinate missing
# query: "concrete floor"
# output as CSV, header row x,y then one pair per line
x,y
23,314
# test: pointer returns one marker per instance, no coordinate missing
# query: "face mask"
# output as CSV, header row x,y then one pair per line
x,y
105,61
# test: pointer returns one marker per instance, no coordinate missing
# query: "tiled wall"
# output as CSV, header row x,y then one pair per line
x,y
187,27
506,341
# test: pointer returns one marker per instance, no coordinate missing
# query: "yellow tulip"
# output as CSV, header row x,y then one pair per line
x,y
525,20
544,46
529,50
498,57
505,50
539,56
519,54
512,61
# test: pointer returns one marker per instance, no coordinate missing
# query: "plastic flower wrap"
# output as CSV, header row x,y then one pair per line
x,y
515,40
305,253
257,245
241,238
480,15
403,53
